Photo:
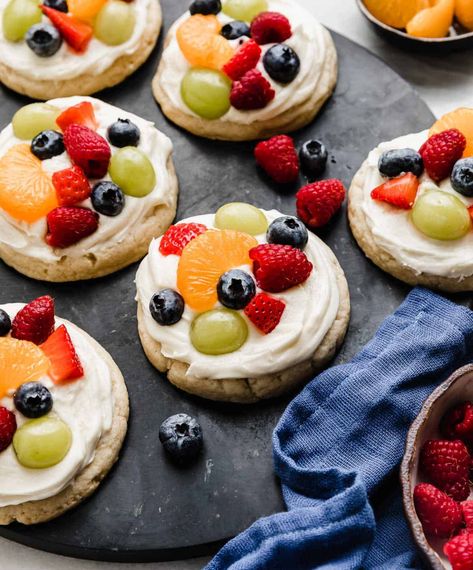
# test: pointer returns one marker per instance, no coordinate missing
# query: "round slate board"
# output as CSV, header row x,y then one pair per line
x,y
146,509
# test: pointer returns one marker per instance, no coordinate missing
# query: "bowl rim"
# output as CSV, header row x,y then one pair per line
x,y
404,35
406,466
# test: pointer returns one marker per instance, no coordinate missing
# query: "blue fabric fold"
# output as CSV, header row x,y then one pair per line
x,y
338,446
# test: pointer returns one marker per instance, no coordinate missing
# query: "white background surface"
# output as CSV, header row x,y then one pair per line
x,y
444,82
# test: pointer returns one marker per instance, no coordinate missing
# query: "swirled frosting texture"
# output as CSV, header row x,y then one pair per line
x,y
65,64
85,405
28,239
307,40
394,231
311,309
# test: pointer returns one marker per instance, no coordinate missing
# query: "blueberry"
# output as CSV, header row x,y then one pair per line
x,y
235,289
462,177
282,63
43,39
288,230
5,323
400,161
107,199
60,5
47,144
181,437
205,7
313,158
166,307
236,29
123,133
33,400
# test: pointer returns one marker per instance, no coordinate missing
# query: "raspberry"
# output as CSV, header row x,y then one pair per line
x,y
447,464
278,158
439,514
35,321
178,236
252,91
467,508
318,202
71,186
7,427
459,551
88,150
68,224
279,267
400,192
265,312
440,153
457,423
246,58
270,28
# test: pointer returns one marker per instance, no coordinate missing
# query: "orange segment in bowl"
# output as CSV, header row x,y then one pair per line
x,y
461,119
433,22
85,10
205,259
26,190
464,13
20,361
201,43
395,13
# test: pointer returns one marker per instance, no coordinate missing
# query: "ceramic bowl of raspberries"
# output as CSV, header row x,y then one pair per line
x,y
436,473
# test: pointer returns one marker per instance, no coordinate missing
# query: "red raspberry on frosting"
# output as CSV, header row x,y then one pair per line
x,y
35,321
440,153
69,224
265,312
246,58
270,28
88,150
252,91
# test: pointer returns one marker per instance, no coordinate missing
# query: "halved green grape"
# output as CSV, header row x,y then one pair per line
x,y
30,120
42,443
206,92
115,23
132,170
219,331
18,17
440,215
244,9
242,218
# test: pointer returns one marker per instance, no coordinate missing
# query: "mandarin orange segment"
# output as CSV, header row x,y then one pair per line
x,y
461,119
464,13
396,13
85,10
201,43
205,259
26,190
432,22
20,361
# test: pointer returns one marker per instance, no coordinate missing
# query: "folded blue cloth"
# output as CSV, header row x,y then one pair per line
x,y
338,446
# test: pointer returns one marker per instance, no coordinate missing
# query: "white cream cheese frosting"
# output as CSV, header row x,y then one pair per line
x,y
28,239
394,231
307,40
310,312
85,405
66,64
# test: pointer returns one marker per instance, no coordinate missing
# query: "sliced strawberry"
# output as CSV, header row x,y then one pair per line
x,y
68,224
65,364
88,150
71,186
80,114
35,321
400,191
470,211
76,34
265,312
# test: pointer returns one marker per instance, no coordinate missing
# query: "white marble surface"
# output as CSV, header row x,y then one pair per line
x,y
444,82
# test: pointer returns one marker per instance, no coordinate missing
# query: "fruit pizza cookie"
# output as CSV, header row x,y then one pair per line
x,y
58,48
63,413
84,187
245,69
411,205
240,305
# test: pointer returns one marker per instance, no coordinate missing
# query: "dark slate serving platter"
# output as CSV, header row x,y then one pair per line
x,y
146,509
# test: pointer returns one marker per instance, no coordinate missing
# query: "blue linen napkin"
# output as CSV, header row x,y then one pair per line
x,y
338,446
